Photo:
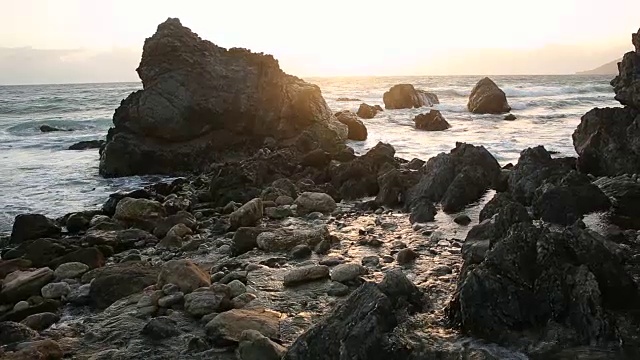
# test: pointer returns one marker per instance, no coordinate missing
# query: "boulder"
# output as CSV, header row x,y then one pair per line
x,y
304,274
431,121
9,266
200,100
85,145
91,256
309,202
487,98
161,327
78,222
255,346
357,130
607,141
31,227
456,179
405,96
20,285
120,280
422,211
347,272
201,303
55,290
13,332
245,239
393,186
49,128
130,209
70,270
187,275
229,326
247,215
284,239
366,111
624,192
40,252
40,321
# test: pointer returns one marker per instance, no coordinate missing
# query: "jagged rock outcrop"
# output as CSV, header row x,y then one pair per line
x,y
431,121
607,140
456,179
201,101
569,286
405,96
487,98
357,130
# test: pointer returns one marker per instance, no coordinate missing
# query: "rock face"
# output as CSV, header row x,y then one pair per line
x,y
200,100
405,96
431,121
456,179
357,130
487,98
607,139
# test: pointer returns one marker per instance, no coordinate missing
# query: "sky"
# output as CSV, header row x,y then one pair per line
x,y
43,41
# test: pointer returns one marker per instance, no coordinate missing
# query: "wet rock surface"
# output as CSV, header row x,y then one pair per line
x,y
487,98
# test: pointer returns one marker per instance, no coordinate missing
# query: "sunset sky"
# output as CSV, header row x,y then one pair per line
x,y
79,38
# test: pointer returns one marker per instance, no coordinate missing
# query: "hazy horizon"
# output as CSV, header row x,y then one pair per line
x,y
74,41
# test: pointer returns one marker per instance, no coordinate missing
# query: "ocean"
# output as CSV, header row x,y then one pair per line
x,y
38,173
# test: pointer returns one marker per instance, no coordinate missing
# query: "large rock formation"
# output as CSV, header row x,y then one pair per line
x,y
487,98
357,130
200,101
405,96
607,140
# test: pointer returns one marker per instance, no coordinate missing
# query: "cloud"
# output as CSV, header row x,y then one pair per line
x,y
55,66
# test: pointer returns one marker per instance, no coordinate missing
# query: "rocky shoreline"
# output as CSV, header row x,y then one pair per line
x,y
278,242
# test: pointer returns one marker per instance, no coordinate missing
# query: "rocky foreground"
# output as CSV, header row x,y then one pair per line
x,y
296,248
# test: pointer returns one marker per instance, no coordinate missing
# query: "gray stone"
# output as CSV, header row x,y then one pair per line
x,y
242,300
338,289
70,270
305,274
40,321
229,325
20,285
170,300
255,346
203,302
406,256
247,215
300,251
347,272
309,202
237,288
21,305
55,290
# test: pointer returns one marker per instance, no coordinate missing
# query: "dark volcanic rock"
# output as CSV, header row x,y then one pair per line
x,y
566,202
534,168
393,186
201,101
627,84
33,226
117,281
487,98
608,141
432,121
357,130
367,111
360,327
533,278
624,192
85,145
456,179
405,96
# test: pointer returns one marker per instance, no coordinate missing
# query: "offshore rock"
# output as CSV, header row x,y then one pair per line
x,y
357,130
431,121
405,96
201,101
366,111
487,98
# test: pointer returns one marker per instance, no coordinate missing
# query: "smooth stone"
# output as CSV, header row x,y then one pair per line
x,y
70,270
347,272
406,256
306,274
237,288
170,300
55,290
40,321
338,289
